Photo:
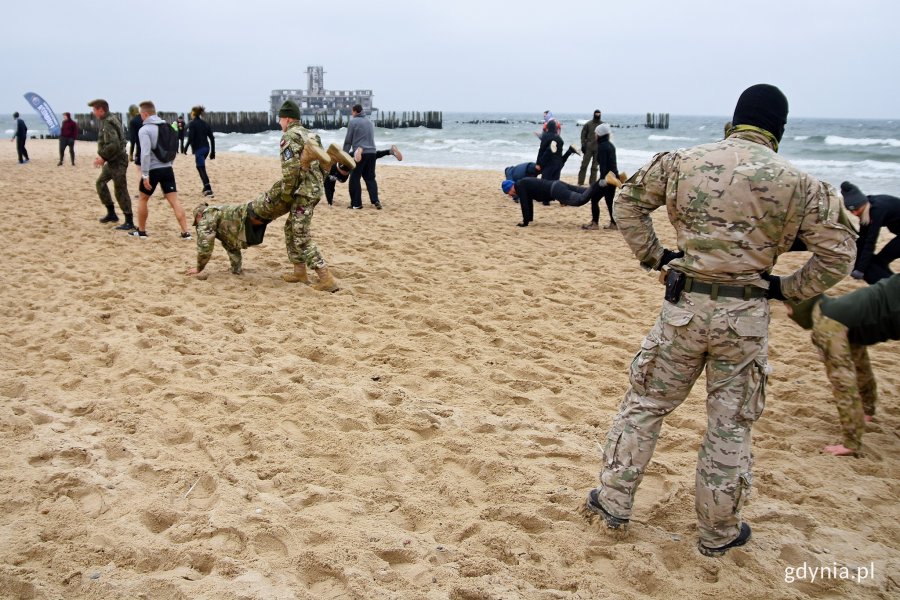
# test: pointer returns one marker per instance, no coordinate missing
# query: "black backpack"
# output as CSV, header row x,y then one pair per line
x,y
166,143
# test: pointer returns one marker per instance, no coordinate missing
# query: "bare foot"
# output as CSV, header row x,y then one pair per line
x,y
838,450
868,418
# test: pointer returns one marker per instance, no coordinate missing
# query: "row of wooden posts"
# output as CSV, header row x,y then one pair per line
x,y
256,122
657,121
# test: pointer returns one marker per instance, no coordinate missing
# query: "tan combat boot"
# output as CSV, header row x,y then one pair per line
x,y
612,180
312,151
298,276
341,157
326,281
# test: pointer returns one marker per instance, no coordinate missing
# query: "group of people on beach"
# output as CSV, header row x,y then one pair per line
x,y
308,171
736,205
539,181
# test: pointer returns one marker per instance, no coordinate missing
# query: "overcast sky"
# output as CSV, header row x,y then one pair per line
x,y
832,59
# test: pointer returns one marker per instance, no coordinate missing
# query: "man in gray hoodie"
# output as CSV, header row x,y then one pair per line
x,y
360,143
153,172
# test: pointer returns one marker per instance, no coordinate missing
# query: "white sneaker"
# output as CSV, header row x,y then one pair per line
x,y
576,150
395,152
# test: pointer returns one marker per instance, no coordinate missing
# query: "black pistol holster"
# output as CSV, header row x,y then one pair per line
x,y
675,281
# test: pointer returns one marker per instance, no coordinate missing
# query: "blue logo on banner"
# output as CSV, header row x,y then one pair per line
x,y
43,109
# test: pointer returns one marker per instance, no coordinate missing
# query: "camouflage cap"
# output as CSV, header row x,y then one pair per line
x,y
198,210
99,103
290,110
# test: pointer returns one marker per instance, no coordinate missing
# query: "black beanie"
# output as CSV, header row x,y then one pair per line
x,y
853,197
764,106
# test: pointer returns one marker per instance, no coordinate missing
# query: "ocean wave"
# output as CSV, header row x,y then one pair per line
x,y
656,137
801,138
836,140
247,149
874,166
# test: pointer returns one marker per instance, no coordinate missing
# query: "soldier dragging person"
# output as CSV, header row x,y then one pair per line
x,y
240,226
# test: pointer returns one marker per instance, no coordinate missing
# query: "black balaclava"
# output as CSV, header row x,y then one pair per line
x,y
764,106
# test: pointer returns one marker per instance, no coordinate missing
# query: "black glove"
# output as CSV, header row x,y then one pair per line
x,y
667,257
774,291
212,156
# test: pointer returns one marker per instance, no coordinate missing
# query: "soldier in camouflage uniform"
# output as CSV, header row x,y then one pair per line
x,y
735,206
111,151
304,165
239,227
236,226
842,329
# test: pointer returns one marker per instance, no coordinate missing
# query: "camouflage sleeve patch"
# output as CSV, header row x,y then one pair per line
x,y
287,154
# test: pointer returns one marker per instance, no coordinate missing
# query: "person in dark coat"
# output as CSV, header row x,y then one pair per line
x,y
181,130
874,212
67,134
20,136
550,158
135,122
201,139
606,161
529,189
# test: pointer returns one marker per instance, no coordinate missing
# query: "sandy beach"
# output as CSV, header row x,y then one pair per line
x,y
429,431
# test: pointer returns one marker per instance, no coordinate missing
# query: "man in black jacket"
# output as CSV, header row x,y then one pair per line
x,y
197,135
20,136
874,212
551,159
529,189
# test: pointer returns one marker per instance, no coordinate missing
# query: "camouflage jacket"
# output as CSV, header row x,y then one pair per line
x,y
225,222
271,204
111,139
736,206
296,181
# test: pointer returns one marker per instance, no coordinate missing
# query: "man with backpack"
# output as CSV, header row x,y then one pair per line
x,y
159,147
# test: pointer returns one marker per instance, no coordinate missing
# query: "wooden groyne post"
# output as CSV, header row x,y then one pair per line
x,y
257,122
657,121
432,119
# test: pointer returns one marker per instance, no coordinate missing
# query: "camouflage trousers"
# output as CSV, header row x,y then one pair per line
x,y
850,373
729,337
114,172
300,247
589,158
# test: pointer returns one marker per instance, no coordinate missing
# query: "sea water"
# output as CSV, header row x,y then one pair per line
x,y
866,152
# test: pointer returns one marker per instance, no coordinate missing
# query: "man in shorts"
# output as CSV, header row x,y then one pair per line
x,y
155,172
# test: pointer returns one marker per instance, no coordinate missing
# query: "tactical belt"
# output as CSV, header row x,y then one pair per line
x,y
716,289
